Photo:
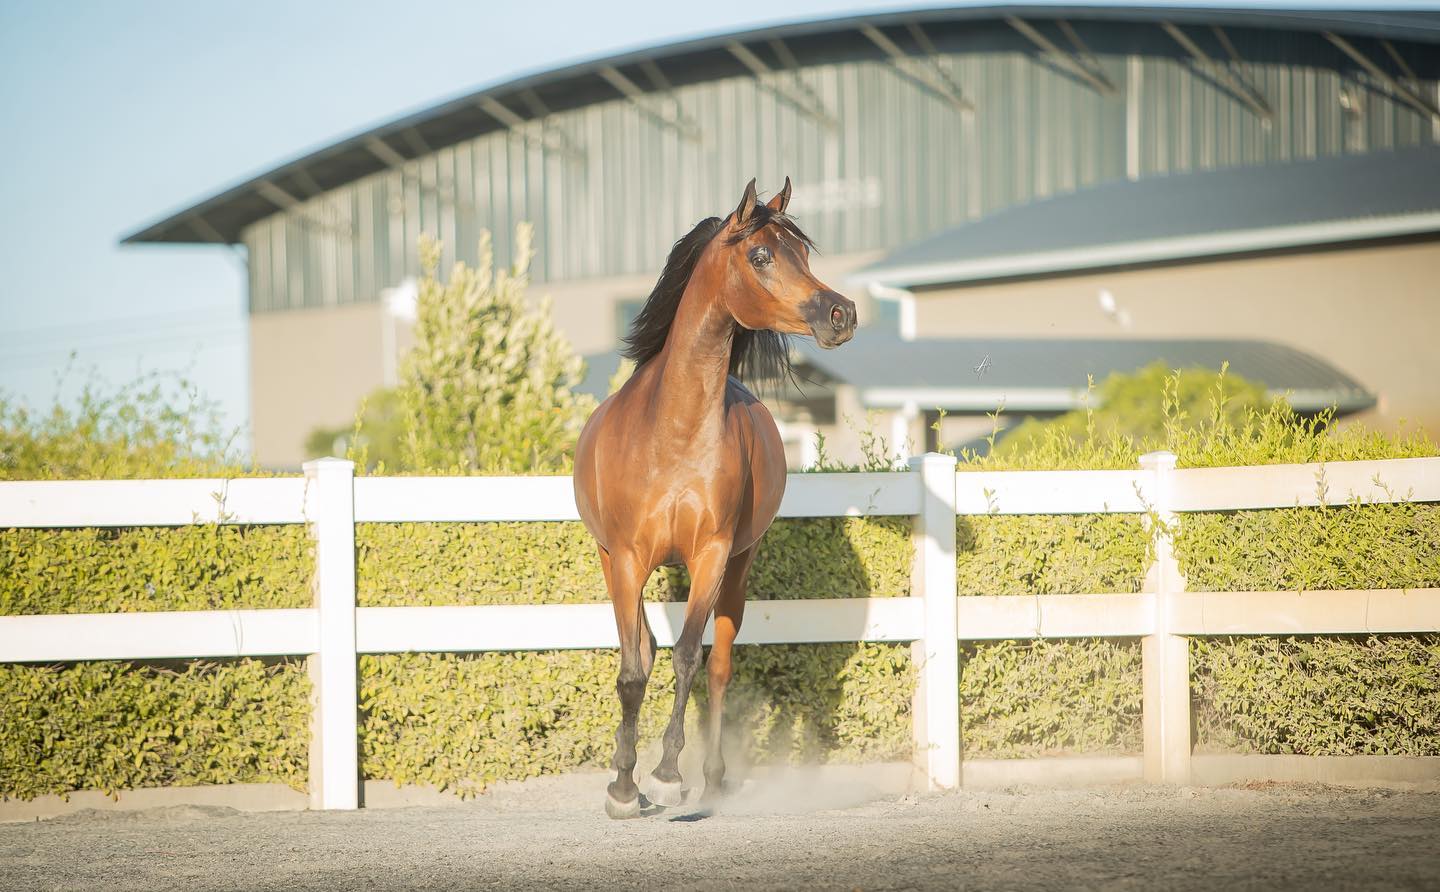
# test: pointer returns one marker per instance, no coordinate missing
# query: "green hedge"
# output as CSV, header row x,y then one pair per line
x,y
202,567
1021,698
452,720
1334,695
1348,546
113,725
463,721
1041,698
1323,696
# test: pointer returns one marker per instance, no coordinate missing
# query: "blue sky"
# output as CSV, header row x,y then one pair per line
x,y
117,113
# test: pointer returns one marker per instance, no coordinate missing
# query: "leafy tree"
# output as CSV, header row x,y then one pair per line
x,y
1133,411
376,435
1207,419
488,386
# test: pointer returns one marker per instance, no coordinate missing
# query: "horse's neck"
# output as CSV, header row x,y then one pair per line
x,y
696,361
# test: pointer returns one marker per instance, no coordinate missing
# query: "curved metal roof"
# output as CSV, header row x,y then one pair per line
x,y
1184,216
221,218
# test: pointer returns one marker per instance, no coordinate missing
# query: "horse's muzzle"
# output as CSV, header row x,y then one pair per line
x,y
832,318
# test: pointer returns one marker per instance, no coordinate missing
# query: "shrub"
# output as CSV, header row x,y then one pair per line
x,y
1325,695
1022,698
1040,698
112,726
1129,409
202,567
159,425
1245,690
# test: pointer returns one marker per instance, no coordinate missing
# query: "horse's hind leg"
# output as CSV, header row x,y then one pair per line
x,y
707,571
729,612
625,577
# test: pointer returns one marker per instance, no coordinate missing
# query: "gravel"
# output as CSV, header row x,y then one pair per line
x,y
795,829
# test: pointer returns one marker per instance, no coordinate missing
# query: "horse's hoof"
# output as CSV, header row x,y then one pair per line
x,y
621,810
666,793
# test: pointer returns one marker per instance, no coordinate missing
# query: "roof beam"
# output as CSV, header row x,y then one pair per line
x,y
1400,62
285,201
782,52
275,195
648,106
198,223
548,137
537,106
793,91
307,182
658,80
1228,77
418,145
1075,66
381,149
926,73
1404,92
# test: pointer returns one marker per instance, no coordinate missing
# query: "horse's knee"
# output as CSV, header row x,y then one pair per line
x,y
686,660
630,688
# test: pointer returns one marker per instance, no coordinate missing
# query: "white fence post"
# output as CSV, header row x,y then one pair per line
x,y
932,578
334,756
1165,656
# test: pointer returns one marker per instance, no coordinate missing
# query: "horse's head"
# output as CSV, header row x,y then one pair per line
x,y
768,267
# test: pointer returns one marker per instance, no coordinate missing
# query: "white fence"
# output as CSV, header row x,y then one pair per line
x,y
935,618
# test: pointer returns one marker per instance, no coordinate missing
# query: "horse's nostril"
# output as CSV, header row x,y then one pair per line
x,y
837,317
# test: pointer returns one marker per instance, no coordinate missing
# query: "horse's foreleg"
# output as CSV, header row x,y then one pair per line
x,y
729,612
625,576
707,572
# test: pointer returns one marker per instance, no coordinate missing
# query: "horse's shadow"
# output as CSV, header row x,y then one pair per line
x,y
791,704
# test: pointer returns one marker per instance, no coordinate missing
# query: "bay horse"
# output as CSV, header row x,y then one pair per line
x,y
684,464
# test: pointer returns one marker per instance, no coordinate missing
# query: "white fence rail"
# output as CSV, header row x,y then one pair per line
x,y
935,618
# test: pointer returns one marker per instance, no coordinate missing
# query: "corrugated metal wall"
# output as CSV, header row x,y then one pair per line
x,y
903,163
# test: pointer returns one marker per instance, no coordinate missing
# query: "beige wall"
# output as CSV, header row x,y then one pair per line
x,y
309,369
1372,312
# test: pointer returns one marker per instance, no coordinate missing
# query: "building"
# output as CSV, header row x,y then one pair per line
x,y
1337,258
894,127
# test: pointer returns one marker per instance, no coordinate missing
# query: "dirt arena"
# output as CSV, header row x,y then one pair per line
x,y
797,831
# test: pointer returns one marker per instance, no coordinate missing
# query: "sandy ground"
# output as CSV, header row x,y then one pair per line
x,y
796,830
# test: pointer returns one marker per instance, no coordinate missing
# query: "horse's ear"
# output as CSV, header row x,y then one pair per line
x,y
747,204
781,199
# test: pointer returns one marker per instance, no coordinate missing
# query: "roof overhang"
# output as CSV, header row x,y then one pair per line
x,y
1215,244
975,400
532,97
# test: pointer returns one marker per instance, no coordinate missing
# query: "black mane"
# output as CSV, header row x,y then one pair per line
x,y
757,357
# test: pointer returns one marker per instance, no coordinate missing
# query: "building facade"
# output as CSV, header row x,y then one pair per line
x,y
892,127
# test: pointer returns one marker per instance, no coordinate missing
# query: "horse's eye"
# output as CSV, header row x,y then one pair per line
x,y
760,257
